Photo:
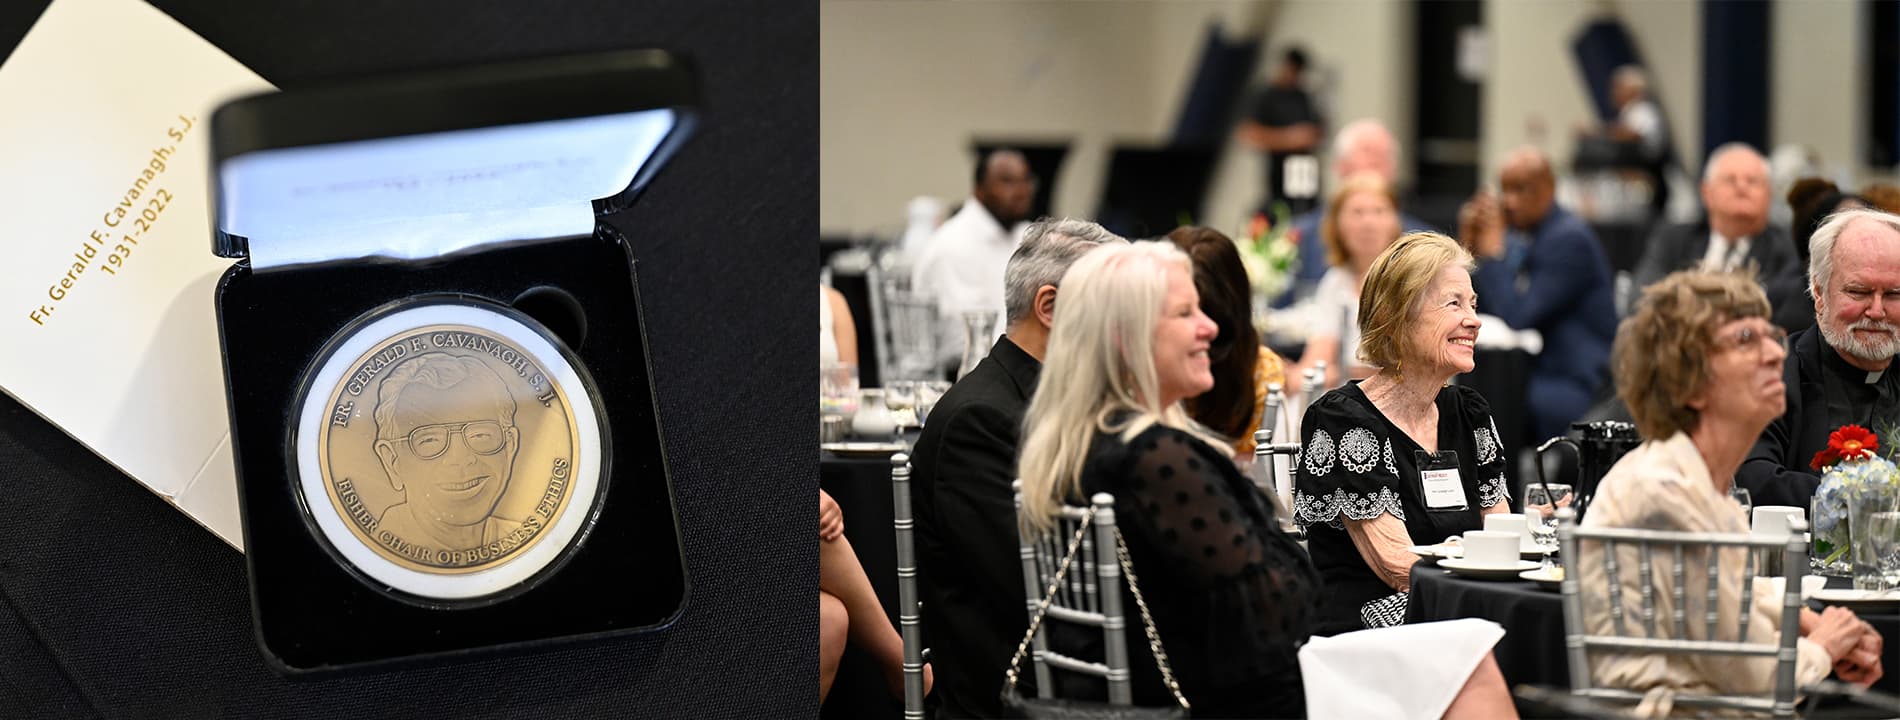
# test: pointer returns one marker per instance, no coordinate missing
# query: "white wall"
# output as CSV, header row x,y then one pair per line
x,y
1818,74
905,86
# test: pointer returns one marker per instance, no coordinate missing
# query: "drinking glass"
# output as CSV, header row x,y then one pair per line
x,y
1882,551
1742,499
838,389
900,397
928,392
1544,531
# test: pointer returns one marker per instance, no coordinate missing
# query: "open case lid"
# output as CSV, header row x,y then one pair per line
x,y
424,164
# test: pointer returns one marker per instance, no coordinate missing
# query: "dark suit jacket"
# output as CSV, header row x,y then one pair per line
x,y
1566,298
969,565
1680,247
1776,471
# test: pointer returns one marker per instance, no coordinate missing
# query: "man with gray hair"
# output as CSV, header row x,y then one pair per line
x,y
1735,233
1841,370
970,575
1363,145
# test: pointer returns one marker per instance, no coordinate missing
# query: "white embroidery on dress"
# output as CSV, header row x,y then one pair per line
x,y
1487,445
1493,491
1389,465
1359,450
1328,508
1319,453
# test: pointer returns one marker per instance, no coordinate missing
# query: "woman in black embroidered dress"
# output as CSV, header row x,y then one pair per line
x,y
1358,487
1232,597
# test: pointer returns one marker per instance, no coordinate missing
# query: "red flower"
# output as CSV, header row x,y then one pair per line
x,y
1257,228
1850,442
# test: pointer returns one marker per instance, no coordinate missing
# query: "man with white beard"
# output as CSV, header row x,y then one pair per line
x,y
1841,371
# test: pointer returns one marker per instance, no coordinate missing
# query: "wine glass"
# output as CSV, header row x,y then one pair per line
x,y
900,397
1741,498
1544,531
928,392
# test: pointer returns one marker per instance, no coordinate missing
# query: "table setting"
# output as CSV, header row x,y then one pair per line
x,y
1460,578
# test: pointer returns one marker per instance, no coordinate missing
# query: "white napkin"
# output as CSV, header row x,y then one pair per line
x,y
1409,671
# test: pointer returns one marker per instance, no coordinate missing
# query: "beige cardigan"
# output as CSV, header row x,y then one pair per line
x,y
1665,485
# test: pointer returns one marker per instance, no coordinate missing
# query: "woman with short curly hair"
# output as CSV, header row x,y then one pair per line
x,y
1699,366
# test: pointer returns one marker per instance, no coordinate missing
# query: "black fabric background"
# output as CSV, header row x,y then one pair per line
x,y
114,604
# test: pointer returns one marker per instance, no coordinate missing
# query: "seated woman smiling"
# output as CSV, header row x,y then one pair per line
x,y
1400,458
1233,598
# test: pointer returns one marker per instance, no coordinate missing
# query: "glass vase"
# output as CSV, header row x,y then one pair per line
x,y
1825,557
1871,536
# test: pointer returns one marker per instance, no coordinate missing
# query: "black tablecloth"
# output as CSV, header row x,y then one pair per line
x,y
1532,650
114,604
862,487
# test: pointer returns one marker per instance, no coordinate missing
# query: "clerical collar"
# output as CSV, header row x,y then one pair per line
x,y
1846,370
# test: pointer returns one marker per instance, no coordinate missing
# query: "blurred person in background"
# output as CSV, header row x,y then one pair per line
x,y
837,332
1361,220
1735,233
961,266
1242,367
1282,123
1362,146
1550,275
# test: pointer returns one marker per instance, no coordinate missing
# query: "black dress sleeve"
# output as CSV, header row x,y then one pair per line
x,y
1208,530
1345,467
1488,461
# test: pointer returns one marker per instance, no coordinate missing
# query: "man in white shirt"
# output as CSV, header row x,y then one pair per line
x,y
1735,234
961,266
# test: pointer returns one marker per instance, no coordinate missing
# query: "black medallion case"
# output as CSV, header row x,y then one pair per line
x,y
479,186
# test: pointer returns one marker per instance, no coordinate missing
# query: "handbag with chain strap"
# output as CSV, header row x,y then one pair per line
x,y
1017,706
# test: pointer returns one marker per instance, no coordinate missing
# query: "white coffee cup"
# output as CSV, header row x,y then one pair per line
x,y
1491,548
1771,521
1515,524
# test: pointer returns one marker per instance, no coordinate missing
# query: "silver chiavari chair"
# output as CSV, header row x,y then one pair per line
x,y
908,605
1313,383
1090,594
1264,449
1664,551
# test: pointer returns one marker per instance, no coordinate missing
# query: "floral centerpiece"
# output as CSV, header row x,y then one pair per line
x,y
1855,482
1270,250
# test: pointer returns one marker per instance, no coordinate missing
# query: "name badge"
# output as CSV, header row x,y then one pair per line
x,y
1443,489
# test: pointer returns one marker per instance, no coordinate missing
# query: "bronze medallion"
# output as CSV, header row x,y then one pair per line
x,y
449,450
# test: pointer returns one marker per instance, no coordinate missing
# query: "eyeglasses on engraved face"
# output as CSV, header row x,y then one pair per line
x,y
484,437
1750,339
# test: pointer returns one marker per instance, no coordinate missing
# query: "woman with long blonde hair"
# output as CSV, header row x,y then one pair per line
x,y
1232,597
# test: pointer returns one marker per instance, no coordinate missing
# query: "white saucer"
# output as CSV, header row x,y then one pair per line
x,y
1880,601
1543,579
1459,566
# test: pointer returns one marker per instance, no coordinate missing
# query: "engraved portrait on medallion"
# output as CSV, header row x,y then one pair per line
x,y
449,449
